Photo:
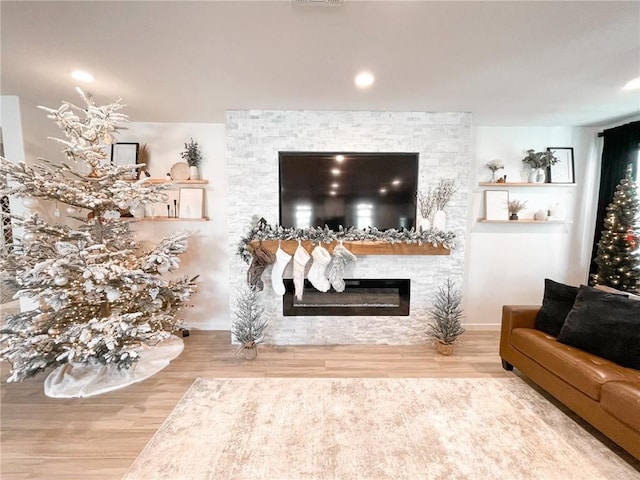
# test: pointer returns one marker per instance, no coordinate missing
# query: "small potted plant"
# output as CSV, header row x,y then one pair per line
x,y
193,156
515,206
494,166
249,327
445,326
539,162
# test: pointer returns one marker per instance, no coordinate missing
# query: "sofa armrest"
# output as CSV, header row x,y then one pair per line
x,y
514,316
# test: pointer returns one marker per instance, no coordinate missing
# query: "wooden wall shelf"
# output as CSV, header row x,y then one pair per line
x,y
158,181
527,220
525,184
358,248
168,219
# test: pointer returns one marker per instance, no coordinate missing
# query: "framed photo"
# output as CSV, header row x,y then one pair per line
x,y
126,154
562,172
191,203
496,205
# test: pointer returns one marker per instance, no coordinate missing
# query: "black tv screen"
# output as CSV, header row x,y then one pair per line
x,y
348,189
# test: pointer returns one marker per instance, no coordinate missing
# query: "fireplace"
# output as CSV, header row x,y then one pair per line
x,y
362,297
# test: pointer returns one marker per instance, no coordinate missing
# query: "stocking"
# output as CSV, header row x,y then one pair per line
x,y
316,275
261,259
300,259
341,259
282,260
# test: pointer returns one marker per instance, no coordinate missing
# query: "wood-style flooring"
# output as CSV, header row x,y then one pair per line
x,y
99,437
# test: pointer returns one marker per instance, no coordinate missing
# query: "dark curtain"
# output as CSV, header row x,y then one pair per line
x,y
620,149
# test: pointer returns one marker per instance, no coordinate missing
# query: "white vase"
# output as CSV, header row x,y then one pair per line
x,y
137,211
538,175
540,215
440,220
194,173
424,224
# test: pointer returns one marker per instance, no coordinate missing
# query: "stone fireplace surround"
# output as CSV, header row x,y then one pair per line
x,y
253,140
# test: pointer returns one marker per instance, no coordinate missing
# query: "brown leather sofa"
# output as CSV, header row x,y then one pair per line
x,y
603,393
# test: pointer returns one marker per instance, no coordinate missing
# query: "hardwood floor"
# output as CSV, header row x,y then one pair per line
x,y
99,437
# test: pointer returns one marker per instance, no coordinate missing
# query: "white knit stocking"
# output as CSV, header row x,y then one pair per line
x,y
300,259
282,260
341,259
321,258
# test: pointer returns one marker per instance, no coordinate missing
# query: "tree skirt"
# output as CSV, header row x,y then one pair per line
x,y
86,380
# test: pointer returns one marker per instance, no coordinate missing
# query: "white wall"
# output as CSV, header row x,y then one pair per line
x,y
207,254
507,264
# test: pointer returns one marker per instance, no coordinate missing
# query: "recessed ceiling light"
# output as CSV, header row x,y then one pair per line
x,y
334,185
339,158
364,79
335,171
82,76
332,193
633,84
383,191
397,181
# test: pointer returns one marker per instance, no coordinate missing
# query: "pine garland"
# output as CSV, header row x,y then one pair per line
x,y
264,231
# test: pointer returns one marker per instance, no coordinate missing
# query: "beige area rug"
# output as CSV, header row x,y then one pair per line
x,y
372,428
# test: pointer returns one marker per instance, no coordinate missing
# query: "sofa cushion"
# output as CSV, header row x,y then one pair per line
x,y
582,370
605,324
556,304
622,400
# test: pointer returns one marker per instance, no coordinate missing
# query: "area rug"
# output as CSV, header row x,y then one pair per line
x,y
372,428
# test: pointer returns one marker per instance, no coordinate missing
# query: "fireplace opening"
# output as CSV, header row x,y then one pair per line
x,y
363,297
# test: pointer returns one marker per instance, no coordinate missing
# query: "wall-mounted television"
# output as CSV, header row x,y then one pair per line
x,y
349,189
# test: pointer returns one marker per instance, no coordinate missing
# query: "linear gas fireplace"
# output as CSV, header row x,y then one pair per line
x,y
363,297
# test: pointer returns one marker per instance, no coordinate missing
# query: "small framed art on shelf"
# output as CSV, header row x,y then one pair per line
x,y
126,154
496,205
191,203
563,170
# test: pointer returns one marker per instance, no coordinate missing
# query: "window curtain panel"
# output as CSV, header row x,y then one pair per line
x,y
620,149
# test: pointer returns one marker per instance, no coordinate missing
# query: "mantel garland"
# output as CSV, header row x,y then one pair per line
x,y
264,231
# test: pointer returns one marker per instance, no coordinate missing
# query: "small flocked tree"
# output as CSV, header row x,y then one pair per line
x,y
98,296
249,326
618,253
446,313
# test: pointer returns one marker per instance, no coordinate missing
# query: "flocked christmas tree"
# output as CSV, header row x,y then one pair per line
x,y
618,254
99,298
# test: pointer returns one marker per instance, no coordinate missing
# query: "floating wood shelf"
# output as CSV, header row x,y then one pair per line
x,y
168,219
527,220
358,248
525,184
157,181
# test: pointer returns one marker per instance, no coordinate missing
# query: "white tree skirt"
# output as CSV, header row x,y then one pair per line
x,y
86,380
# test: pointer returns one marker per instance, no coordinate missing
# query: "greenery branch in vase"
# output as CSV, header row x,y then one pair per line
x,y
193,156
515,206
442,194
249,326
446,313
426,206
494,166
539,162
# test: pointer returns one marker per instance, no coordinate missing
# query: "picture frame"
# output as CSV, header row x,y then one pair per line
x,y
126,153
563,171
191,203
496,205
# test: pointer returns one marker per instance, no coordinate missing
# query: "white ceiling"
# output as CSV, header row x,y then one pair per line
x,y
509,63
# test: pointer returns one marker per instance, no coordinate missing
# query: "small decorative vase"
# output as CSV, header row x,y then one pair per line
x,y
556,212
538,175
194,173
425,224
137,211
440,220
540,215
444,348
250,353
514,216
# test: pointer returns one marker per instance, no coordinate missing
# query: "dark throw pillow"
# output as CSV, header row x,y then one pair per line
x,y
605,324
556,304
